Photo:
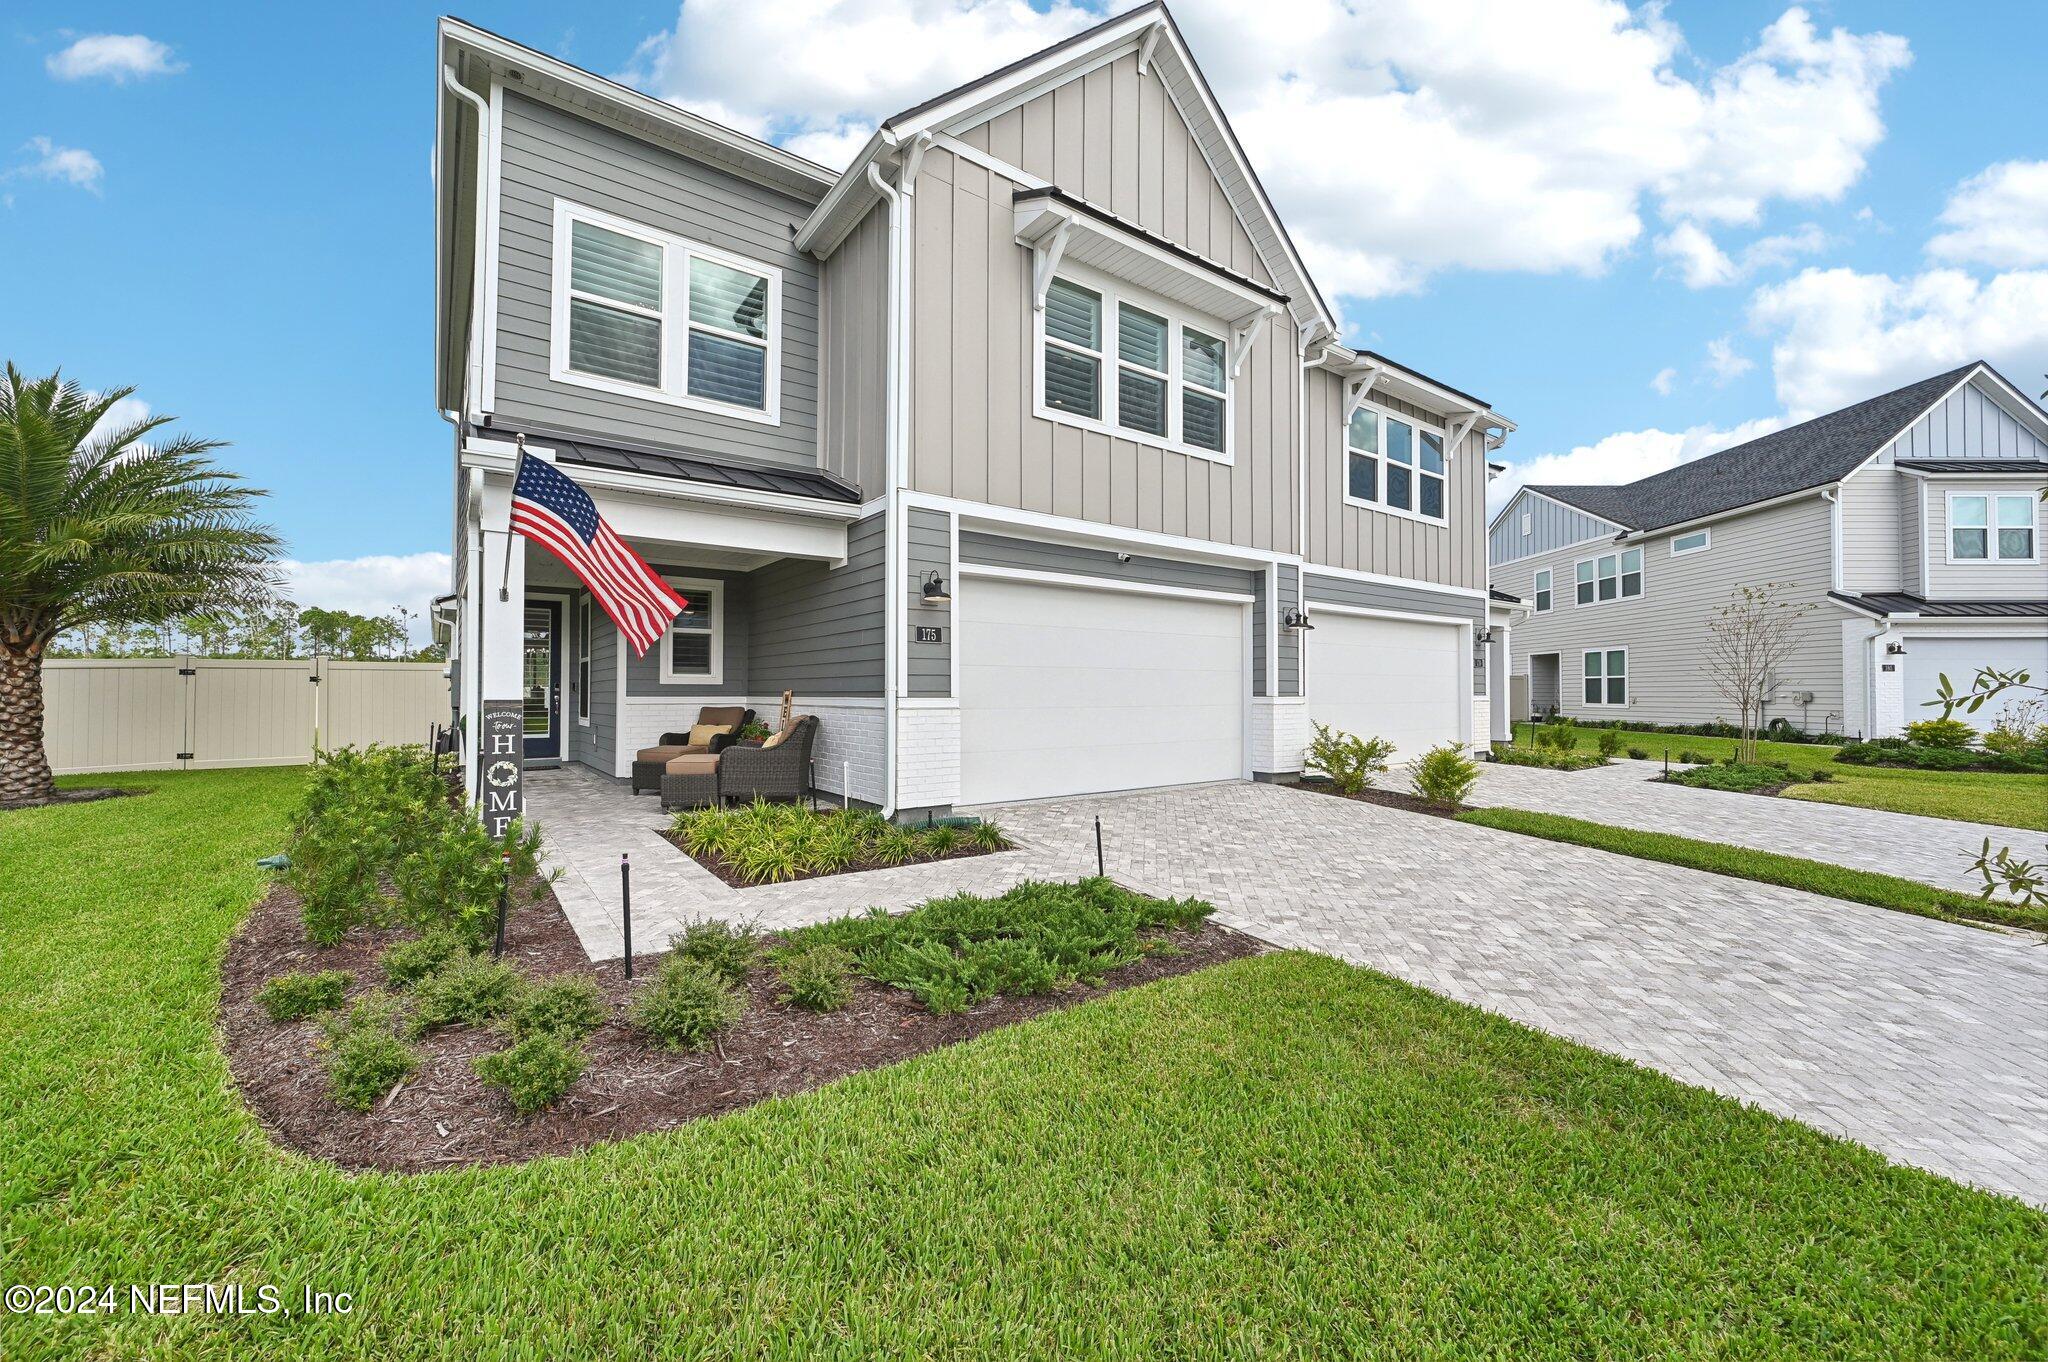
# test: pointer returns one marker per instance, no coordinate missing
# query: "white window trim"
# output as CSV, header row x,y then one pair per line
x,y
1628,679
1383,415
1619,596
1114,292
714,592
1706,542
1536,592
677,252
1991,497
582,625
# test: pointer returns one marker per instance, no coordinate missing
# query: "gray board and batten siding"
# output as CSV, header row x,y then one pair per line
x,y
1551,526
550,154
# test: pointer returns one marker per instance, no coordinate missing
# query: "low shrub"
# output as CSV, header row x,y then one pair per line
x,y
1350,762
1444,775
1919,757
298,995
1951,733
820,978
468,991
1743,777
763,843
686,1006
941,840
450,880
1639,753
2015,736
408,962
534,1073
568,1006
1689,757
1548,758
1609,742
1556,736
957,951
366,1058
1820,775
729,950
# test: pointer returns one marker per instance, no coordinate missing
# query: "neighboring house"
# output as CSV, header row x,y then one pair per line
x,y
1016,450
1908,525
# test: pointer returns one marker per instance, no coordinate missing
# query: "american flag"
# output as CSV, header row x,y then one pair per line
x,y
550,509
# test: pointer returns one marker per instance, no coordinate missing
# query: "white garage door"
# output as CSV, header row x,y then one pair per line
x,y
1961,659
1065,690
1402,680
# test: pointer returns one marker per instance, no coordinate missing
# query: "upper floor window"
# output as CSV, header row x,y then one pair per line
x,y
1116,361
1542,590
1393,463
1611,576
1984,528
646,314
1690,543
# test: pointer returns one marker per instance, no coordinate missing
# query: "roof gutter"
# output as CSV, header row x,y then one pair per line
x,y
1678,526
473,358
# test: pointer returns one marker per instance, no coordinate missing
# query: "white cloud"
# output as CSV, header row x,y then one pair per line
x,y
1664,381
1490,147
74,166
125,412
119,57
1998,217
1624,457
371,585
834,147
1703,264
1724,364
1843,335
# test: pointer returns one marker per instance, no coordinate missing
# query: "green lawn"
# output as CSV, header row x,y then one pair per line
x,y
1281,1157
2017,801
1794,872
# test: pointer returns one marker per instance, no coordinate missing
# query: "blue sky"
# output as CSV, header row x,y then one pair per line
x,y
231,211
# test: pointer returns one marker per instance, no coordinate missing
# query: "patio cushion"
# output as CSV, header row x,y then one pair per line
x,y
702,734
693,764
726,716
662,753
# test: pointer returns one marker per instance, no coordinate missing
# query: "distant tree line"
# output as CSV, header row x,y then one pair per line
x,y
278,629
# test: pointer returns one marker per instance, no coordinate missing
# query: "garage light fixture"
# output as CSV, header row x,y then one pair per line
x,y
1894,649
934,590
1296,622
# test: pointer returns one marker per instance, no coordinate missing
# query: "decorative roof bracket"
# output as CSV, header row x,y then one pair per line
x,y
1354,396
1246,334
1049,255
1145,48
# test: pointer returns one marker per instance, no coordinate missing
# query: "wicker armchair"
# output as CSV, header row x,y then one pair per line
x,y
649,763
779,772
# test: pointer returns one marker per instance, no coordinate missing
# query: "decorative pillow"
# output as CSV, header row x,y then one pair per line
x,y
775,739
702,734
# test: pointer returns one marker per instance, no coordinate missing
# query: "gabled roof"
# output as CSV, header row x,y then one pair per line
x,y
1812,454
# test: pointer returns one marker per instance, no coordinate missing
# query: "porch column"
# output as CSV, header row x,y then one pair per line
x,y
502,651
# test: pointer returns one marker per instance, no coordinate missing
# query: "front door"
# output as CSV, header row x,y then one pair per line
x,y
540,674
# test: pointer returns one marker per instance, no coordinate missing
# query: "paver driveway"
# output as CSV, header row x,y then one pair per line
x,y
1934,851
1926,1040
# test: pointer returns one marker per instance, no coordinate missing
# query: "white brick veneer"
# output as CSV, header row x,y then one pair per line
x,y
643,719
1888,694
1279,733
849,730
927,755
1482,720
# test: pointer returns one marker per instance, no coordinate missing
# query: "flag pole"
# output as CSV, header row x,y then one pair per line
x,y
505,578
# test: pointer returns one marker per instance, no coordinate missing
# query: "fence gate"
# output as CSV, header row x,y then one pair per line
x,y
179,713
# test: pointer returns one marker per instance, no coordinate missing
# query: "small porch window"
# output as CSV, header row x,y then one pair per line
x,y
694,651
583,659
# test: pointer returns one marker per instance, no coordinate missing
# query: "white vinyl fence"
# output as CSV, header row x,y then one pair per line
x,y
179,713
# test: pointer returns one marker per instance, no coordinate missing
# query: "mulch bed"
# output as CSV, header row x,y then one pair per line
x,y
723,868
71,797
445,1117
1393,799
1767,791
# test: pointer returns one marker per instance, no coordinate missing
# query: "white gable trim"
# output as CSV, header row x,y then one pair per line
x,y
1993,384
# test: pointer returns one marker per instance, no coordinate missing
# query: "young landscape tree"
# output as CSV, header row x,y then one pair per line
x,y
99,530
1748,640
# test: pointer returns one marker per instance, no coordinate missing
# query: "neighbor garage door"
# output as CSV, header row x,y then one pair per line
x,y
1403,680
1961,658
1068,690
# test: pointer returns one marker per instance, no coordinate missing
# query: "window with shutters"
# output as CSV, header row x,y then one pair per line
x,y
1115,359
644,314
694,651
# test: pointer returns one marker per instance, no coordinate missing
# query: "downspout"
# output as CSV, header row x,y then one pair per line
x,y
473,627
472,495
474,366
892,447
1870,664
1832,495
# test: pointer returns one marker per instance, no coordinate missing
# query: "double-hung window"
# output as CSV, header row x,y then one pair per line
x,y
1133,368
1543,591
694,651
1611,576
1362,455
1606,677
646,314
1394,463
583,659
1986,528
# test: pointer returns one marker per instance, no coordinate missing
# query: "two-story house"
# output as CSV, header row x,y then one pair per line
x,y
1022,450
1906,528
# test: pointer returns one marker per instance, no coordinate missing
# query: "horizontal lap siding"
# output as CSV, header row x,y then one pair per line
x,y
930,549
1871,557
1365,540
1991,580
1113,138
549,154
1290,644
1666,630
643,673
1406,600
602,736
819,630
994,550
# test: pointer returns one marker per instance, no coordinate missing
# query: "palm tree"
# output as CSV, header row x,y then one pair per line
x,y
97,529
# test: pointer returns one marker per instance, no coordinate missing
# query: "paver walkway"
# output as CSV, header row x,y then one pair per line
x,y
1934,851
1925,1040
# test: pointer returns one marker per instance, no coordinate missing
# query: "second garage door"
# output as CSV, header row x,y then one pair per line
x,y
1388,678
1071,690
1928,659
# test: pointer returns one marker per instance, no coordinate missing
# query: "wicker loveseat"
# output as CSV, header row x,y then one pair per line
x,y
745,772
650,763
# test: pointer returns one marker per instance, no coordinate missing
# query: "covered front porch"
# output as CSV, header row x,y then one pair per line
x,y
779,572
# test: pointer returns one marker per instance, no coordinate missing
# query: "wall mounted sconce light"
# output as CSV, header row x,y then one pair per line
x,y
1894,649
934,590
1295,622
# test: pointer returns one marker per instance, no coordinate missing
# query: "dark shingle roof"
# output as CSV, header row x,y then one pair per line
x,y
1811,454
1974,465
1904,603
